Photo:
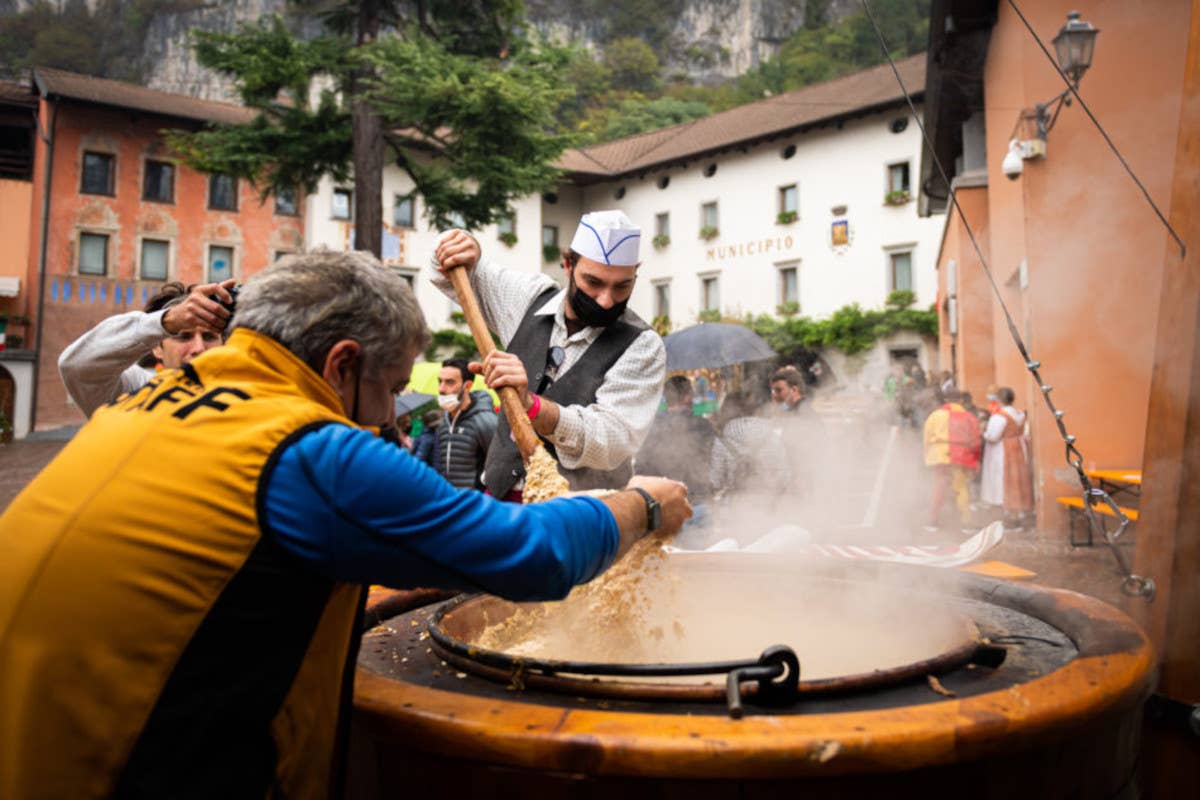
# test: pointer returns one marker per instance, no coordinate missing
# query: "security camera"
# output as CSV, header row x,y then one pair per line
x,y
1013,163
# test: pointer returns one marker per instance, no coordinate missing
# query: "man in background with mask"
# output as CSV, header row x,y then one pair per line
x,y
588,370
468,426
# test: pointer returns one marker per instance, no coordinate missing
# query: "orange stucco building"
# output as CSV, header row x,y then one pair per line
x,y
17,124
1074,248
122,216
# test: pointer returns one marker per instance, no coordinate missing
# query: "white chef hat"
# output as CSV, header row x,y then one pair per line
x,y
608,237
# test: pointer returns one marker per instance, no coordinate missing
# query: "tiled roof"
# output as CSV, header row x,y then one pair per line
x,y
12,93
773,116
55,82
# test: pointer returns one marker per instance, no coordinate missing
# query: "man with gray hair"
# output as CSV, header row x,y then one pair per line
x,y
181,588
177,324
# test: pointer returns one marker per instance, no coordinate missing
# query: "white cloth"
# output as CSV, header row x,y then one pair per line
x,y
606,433
608,237
930,555
991,476
100,365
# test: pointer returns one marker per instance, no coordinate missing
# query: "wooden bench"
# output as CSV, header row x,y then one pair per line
x,y
1075,510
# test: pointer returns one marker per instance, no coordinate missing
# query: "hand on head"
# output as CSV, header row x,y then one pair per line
x,y
199,310
456,248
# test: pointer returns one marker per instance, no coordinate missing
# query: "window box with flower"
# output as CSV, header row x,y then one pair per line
x,y
708,233
897,198
660,241
786,217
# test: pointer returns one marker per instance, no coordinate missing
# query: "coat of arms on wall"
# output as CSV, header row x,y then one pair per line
x,y
840,235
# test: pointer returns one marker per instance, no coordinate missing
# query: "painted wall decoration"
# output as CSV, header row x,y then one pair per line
x,y
841,235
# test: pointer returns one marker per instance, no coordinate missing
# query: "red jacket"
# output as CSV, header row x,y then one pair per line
x,y
966,440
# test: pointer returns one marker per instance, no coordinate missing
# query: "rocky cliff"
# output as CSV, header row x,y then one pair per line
x,y
705,40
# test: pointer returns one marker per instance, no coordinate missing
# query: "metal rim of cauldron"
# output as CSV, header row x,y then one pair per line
x,y
1111,674
554,675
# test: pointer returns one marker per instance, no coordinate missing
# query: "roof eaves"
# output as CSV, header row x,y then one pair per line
x,y
59,83
641,162
767,136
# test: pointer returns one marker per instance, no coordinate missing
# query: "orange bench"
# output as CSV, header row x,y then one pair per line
x,y
1074,506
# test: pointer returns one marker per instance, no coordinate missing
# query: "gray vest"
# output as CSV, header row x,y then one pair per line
x,y
576,387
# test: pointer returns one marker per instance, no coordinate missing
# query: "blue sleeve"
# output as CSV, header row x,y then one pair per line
x,y
360,510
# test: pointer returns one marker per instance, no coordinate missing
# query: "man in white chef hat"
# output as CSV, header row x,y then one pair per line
x,y
589,371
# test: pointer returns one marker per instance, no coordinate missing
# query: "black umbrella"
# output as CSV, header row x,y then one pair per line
x,y
714,345
407,403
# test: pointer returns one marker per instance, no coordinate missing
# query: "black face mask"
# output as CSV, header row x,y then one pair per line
x,y
590,313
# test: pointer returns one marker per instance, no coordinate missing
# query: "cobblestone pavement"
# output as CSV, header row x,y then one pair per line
x,y
1088,570
20,461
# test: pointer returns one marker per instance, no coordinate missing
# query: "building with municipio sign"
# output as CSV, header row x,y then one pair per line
x,y
805,200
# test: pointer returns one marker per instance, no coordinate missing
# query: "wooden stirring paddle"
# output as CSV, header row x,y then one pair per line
x,y
510,401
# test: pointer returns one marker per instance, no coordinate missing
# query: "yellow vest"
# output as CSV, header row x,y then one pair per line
x,y
116,555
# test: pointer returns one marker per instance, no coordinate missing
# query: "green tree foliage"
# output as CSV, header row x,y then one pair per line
x,y
462,97
632,66
292,142
491,123
850,329
636,115
451,343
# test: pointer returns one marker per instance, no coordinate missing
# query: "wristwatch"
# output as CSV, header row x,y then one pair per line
x,y
653,510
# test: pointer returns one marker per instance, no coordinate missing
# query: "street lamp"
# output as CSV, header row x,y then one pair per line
x,y
1074,45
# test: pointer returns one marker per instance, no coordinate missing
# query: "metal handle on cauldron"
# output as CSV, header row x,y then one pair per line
x,y
778,662
510,401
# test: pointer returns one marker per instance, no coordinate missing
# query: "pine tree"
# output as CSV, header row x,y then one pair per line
x,y
454,90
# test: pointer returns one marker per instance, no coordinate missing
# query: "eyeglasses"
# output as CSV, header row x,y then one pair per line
x,y
554,359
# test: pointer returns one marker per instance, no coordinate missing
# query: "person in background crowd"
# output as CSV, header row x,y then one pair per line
x,y
1006,479
679,445
917,374
403,430
787,390
424,445
952,450
181,587
467,429
981,417
968,403
926,398
748,454
906,399
993,402
177,325
947,382
587,369
815,373
891,384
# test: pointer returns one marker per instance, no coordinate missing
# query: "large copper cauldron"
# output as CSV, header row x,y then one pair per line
x,y
1058,718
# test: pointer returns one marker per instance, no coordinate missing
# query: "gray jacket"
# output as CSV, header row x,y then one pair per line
x,y
101,365
462,444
